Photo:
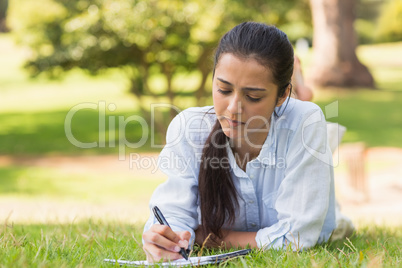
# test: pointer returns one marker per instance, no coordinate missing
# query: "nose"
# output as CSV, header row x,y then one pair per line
x,y
235,105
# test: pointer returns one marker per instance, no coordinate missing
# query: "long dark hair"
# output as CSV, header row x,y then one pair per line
x,y
271,48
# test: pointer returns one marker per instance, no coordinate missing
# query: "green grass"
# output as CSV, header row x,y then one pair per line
x,y
54,184
369,116
44,133
88,243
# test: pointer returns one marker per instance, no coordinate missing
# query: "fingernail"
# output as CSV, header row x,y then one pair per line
x,y
176,248
183,243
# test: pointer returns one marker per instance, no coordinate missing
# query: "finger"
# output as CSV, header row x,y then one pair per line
x,y
155,253
184,235
165,231
161,241
183,244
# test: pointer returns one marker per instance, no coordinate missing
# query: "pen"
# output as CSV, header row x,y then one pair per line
x,y
159,216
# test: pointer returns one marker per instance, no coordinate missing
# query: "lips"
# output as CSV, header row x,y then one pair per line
x,y
234,123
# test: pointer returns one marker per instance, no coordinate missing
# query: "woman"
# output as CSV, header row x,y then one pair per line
x,y
253,170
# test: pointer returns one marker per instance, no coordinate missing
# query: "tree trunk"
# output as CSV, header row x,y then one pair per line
x,y
3,13
200,93
335,62
204,65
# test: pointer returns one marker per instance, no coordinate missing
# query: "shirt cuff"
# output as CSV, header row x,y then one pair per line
x,y
273,236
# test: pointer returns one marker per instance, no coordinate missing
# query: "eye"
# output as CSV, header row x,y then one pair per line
x,y
224,92
253,99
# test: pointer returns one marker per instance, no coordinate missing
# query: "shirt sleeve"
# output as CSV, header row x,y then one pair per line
x,y
177,198
305,198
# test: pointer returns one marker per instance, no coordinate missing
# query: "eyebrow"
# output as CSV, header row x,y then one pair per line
x,y
244,88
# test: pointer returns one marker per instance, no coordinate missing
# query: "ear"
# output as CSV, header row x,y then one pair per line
x,y
282,99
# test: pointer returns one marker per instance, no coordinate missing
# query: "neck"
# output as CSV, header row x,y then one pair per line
x,y
248,147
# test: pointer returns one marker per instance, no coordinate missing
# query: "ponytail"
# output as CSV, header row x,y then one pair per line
x,y
218,196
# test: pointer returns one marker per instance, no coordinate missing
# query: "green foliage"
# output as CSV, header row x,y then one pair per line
x,y
364,30
145,38
141,36
88,243
390,21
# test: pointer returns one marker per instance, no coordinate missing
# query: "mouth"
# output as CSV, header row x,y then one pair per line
x,y
233,123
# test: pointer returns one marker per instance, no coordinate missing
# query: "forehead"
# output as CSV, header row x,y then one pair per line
x,y
242,71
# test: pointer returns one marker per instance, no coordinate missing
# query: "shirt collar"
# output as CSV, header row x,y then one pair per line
x,y
266,156
233,165
267,153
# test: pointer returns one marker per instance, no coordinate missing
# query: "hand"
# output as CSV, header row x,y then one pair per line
x,y
161,242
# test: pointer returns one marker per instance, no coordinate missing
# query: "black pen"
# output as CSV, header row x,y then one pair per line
x,y
159,216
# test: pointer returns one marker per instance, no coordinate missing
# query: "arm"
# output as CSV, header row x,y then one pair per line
x,y
177,197
231,239
304,201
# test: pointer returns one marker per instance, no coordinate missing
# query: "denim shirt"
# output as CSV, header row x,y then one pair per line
x,y
286,194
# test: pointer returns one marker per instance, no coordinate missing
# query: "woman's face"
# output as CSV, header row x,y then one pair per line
x,y
244,97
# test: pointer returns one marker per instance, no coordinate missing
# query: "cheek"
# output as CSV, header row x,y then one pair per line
x,y
218,101
262,110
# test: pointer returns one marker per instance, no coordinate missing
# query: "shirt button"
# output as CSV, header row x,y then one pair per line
x,y
251,202
253,225
251,176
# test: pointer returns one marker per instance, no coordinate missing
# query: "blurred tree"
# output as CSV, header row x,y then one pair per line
x,y
3,13
142,37
389,27
367,13
335,62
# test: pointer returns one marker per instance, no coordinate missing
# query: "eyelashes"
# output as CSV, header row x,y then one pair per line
x,y
253,99
227,92
224,92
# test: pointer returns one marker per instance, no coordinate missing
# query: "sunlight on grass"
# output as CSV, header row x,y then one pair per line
x,y
368,116
388,78
30,182
381,55
44,133
37,95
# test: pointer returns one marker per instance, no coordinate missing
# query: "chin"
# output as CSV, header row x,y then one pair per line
x,y
230,133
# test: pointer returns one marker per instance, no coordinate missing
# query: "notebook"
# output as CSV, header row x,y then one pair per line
x,y
213,259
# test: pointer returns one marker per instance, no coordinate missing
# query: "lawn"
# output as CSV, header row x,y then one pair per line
x,y
369,116
70,185
87,244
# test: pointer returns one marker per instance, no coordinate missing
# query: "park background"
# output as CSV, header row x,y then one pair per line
x,y
58,55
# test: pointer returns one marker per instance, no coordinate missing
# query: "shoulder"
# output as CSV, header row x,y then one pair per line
x,y
294,113
194,123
